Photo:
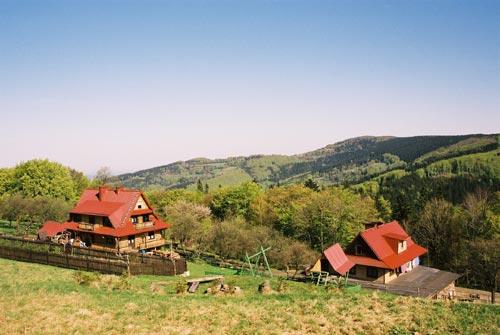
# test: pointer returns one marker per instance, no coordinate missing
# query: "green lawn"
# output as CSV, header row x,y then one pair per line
x,y
39,299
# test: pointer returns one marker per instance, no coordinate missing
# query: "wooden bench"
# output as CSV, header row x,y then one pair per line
x,y
195,282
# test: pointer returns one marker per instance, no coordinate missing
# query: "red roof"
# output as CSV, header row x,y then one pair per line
x,y
51,228
141,211
382,240
367,261
96,207
409,254
338,259
117,205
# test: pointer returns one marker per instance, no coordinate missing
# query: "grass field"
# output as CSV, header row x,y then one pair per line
x,y
39,299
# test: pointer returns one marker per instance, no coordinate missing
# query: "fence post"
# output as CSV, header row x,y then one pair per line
x,y
47,257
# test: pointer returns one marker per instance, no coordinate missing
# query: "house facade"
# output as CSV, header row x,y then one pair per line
x,y
120,220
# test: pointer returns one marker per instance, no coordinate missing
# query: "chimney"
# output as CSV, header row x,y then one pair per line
x,y
118,189
102,192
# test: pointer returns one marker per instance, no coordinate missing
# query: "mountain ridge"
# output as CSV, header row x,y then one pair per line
x,y
348,161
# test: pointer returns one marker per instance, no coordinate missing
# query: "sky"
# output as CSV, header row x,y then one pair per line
x,y
137,84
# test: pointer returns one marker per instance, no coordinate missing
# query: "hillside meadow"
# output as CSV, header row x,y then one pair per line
x,y
38,299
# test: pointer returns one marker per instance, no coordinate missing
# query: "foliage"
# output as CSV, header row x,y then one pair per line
x,y
190,222
234,201
42,178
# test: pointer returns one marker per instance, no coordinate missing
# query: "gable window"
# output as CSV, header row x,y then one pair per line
x,y
359,249
151,235
139,206
371,272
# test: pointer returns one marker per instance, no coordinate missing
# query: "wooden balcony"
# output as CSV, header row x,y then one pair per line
x,y
150,243
142,225
88,226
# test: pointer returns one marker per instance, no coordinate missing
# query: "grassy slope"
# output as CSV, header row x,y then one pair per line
x,y
38,299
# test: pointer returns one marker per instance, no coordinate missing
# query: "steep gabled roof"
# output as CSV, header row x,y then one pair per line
x,y
382,240
338,259
115,204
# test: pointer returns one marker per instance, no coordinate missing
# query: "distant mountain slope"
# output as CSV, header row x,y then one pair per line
x,y
347,162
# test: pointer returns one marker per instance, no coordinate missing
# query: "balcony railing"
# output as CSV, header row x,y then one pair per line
x,y
142,225
88,226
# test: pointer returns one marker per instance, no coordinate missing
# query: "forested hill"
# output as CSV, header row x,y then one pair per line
x,y
348,162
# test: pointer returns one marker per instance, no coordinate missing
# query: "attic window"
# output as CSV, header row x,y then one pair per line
x,y
139,206
359,249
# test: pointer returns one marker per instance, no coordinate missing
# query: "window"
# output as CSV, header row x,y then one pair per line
x,y
352,271
110,241
371,272
359,249
106,222
76,217
91,219
151,235
139,206
131,240
145,218
134,219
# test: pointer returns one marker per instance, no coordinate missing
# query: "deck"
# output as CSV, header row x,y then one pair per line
x,y
420,282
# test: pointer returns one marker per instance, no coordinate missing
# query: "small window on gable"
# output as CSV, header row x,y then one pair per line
x,y
359,249
139,206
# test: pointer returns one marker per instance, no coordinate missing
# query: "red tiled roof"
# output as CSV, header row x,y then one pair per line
x,y
51,228
396,260
338,259
379,240
96,207
399,237
367,261
141,211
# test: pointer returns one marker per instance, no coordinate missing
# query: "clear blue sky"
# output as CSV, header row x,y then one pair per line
x,y
135,84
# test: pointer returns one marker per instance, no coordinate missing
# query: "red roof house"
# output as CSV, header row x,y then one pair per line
x,y
379,253
382,252
112,219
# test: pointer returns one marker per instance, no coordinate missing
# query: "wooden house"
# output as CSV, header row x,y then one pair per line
x,y
379,253
118,219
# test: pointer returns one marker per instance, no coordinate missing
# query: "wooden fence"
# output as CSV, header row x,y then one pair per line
x,y
87,259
